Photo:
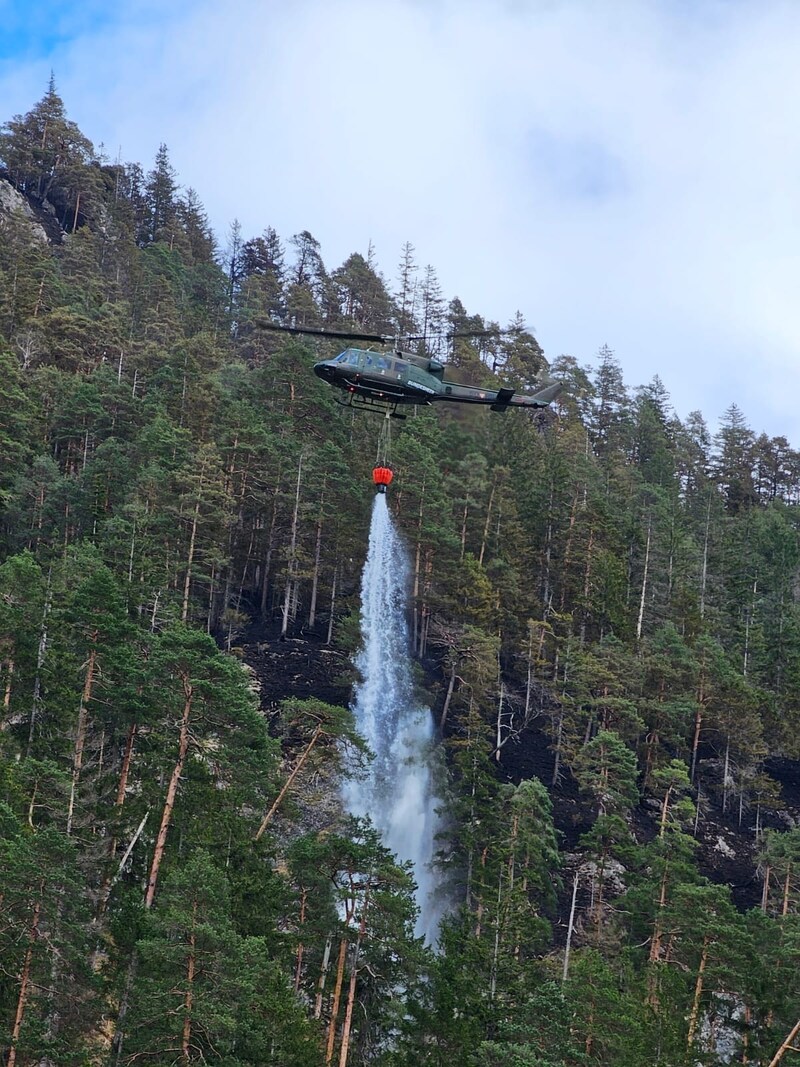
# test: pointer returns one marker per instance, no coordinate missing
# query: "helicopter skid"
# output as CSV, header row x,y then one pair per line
x,y
376,405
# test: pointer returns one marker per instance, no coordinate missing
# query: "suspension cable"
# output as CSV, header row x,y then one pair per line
x,y
384,455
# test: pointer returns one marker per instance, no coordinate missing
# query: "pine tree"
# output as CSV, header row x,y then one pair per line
x,y
161,197
40,148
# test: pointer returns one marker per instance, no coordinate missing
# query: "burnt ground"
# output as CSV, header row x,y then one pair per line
x,y
727,854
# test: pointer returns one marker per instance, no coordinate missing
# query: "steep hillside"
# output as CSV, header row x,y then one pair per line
x,y
604,617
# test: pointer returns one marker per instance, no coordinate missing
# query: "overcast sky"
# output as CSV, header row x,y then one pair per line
x,y
622,173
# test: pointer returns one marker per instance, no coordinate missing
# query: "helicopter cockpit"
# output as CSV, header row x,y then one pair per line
x,y
351,357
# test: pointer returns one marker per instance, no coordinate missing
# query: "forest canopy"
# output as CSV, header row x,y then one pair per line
x,y
605,618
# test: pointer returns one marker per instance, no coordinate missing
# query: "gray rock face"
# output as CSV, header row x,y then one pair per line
x,y
14,205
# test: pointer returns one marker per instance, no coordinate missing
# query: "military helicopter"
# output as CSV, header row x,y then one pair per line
x,y
386,380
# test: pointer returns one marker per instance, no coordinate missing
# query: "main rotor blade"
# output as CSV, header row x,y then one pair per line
x,y
514,331
341,335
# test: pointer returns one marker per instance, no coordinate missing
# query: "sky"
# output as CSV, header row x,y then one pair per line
x,y
622,172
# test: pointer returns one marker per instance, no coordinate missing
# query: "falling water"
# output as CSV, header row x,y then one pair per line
x,y
398,792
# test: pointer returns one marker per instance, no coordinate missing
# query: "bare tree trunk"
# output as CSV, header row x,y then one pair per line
x,y
765,889
570,926
351,992
80,737
485,537
655,942
587,575
499,723
704,570
698,721
496,946
333,605
548,551
786,884
785,1047
268,558
337,993
448,697
110,883
748,621
40,656
126,766
640,618
192,541
24,983
287,596
7,693
662,826
299,966
698,992
188,998
169,803
323,974
287,784
312,611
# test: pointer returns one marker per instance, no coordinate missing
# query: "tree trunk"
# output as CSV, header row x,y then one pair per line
x,y
169,803
786,884
333,605
299,965
662,826
587,575
499,724
548,552
497,939
188,998
80,737
704,570
351,992
698,992
570,926
640,618
287,785
448,697
337,993
111,882
268,558
785,1047
312,611
7,693
486,524
698,721
287,596
187,582
765,889
24,983
323,974
40,656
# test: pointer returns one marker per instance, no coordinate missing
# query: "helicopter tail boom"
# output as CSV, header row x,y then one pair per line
x,y
501,399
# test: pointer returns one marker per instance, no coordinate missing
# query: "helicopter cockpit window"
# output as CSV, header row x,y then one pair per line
x,y
342,358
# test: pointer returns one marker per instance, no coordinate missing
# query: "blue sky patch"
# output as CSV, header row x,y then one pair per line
x,y
576,167
35,30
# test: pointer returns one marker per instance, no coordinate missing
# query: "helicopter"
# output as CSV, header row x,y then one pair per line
x,y
385,380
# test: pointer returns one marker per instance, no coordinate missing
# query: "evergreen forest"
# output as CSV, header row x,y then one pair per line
x,y
605,619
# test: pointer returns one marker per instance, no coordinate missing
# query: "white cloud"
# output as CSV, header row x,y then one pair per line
x,y
622,173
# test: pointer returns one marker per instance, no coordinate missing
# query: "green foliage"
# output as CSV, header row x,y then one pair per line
x,y
607,599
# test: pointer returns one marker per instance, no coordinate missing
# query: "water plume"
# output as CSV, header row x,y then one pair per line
x,y
398,792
